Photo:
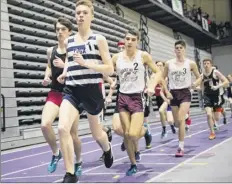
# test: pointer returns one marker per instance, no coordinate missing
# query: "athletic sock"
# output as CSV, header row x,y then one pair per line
x,y
181,145
57,153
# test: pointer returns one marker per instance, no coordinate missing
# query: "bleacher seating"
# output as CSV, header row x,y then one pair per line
x,y
32,32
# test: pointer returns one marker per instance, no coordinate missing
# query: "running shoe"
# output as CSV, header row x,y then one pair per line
x,y
53,164
132,170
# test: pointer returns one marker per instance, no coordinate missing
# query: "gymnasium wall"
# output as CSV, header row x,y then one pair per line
x,y
222,57
7,77
161,37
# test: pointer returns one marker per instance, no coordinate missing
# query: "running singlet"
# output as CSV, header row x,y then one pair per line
x,y
131,74
179,76
209,81
229,91
158,90
80,75
56,72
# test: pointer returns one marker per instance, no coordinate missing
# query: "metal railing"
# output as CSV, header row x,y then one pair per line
x,y
144,34
3,113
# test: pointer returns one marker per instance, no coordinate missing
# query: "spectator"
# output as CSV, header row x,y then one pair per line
x,y
221,31
228,29
208,19
213,27
199,15
194,13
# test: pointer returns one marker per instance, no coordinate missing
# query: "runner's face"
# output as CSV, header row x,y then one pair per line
x,y
179,50
84,15
207,65
62,32
131,42
160,65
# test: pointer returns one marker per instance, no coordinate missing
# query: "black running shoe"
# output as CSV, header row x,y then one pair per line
x,y
109,158
123,148
137,156
148,139
70,178
224,121
109,134
164,134
173,129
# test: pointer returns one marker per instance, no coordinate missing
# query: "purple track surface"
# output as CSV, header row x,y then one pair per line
x,y
31,165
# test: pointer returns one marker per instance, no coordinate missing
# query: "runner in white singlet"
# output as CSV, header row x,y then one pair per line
x,y
130,68
178,71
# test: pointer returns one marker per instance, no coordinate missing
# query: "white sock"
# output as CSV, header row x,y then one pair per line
x,y
181,145
57,153
216,123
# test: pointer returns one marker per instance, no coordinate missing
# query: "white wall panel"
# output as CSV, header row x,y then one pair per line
x,y
161,41
222,57
189,46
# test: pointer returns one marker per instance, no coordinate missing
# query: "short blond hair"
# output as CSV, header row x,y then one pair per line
x,y
88,3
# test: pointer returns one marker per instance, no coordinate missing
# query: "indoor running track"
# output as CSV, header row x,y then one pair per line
x,y
30,164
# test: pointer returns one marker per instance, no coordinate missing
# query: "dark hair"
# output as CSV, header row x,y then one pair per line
x,y
215,66
180,42
64,21
160,62
133,32
208,59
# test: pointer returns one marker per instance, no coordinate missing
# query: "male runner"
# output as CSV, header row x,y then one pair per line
x,y
163,106
56,57
88,58
212,81
130,66
116,119
178,71
229,91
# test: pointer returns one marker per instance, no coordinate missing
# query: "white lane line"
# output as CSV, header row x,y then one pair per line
x,y
33,167
85,143
82,137
97,167
186,162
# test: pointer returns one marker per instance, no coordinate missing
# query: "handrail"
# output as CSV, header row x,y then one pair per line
x,y
119,11
4,113
143,23
144,33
